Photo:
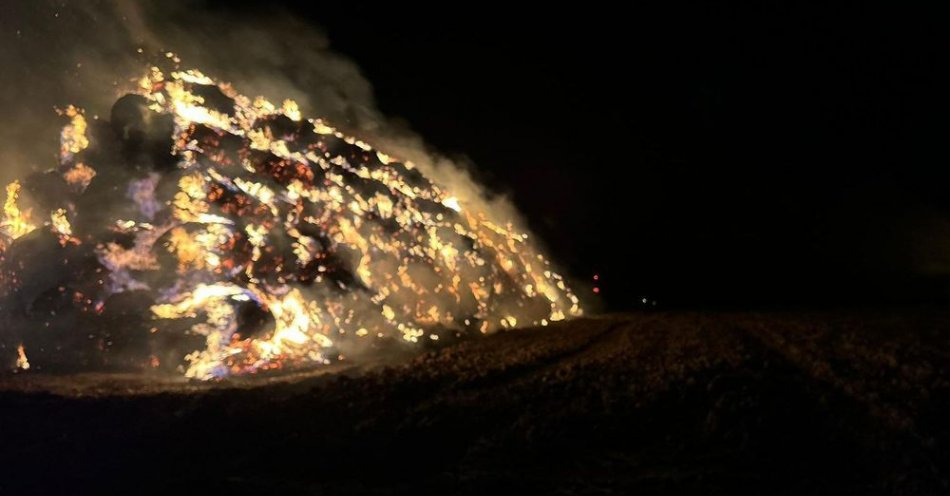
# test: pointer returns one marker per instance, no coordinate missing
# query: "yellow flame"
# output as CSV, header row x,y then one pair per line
x,y
16,223
60,225
22,362
291,110
73,136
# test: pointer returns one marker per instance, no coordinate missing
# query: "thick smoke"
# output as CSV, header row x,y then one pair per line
x,y
68,52
57,53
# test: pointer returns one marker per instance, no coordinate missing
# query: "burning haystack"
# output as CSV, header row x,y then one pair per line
x,y
202,231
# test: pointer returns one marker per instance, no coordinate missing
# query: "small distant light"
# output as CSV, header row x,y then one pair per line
x,y
596,277
597,290
644,301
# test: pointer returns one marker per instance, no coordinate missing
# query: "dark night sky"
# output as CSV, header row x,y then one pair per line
x,y
694,155
770,155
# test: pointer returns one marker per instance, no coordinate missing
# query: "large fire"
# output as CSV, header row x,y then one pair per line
x,y
255,238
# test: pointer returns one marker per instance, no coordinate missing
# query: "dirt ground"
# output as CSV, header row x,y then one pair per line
x,y
846,402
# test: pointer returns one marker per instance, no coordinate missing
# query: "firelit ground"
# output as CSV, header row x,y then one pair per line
x,y
726,403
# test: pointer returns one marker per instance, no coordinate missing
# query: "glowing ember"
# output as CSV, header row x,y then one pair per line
x,y
79,176
276,240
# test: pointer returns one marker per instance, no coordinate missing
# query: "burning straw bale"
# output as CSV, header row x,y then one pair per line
x,y
203,231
